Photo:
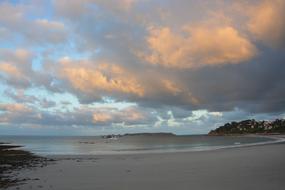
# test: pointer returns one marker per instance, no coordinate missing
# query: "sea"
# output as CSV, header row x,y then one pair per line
x,y
96,145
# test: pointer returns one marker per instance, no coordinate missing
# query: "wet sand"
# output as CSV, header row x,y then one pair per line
x,y
256,167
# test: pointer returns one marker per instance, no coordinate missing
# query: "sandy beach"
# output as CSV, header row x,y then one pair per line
x,y
256,167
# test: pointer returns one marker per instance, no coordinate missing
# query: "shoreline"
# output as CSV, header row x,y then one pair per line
x,y
275,139
13,160
23,175
169,152
255,167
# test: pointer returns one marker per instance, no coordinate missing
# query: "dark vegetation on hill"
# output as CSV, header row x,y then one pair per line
x,y
251,127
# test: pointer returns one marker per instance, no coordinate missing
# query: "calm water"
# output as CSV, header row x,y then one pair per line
x,y
127,144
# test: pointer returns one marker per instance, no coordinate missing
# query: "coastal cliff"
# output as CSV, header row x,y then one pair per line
x,y
251,127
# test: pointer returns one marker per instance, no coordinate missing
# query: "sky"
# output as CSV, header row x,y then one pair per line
x,y
93,67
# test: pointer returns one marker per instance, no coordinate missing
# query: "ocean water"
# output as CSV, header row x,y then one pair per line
x,y
52,145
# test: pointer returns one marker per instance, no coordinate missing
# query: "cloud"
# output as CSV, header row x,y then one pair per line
x,y
123,5
85,116
9,69
15,19
14,108
128,116
172,87
15,67
266,22
198,46
53,25
20,97
76,9
100,79
10,14
177,63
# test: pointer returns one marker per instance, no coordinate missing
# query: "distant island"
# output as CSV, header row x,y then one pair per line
x,y
149,134
138,134
251,127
